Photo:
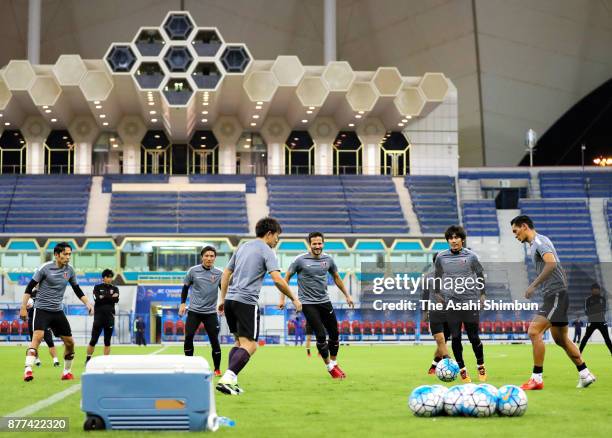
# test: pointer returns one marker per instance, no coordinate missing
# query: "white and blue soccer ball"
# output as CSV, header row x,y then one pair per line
x,y
492,389
424,401
447,370
453,401
479,403
441,390
511,401
467,390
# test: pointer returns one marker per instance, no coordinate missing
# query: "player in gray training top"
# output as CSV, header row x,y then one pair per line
x,y
553,314
438,323
52,279
312,269
244,276
461,278
204,280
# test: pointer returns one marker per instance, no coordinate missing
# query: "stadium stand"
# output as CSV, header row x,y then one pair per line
x,y
434,199
480,218
109,180
248,180
493,174
173,212
333,204
575,184
44,203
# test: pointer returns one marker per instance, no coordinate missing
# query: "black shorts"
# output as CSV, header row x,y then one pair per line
x,y
308,329
242,319
463,316
438,323
48,333
555,308
103,321
56,321
321,318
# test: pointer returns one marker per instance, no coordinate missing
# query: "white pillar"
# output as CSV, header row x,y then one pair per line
x,y
275,132
370,134
227,130
34,13
82,158
35,157
329,31
324,157
131,158
323,132
35,131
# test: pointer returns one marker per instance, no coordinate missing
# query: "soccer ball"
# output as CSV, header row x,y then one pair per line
x,y
441,390
447,370
467,390
478,403
511,401
453,401
492,389
424,401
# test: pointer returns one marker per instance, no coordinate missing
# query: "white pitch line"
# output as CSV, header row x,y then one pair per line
x,y
42,404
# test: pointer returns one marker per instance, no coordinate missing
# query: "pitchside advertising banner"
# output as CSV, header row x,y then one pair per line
x,y
396,290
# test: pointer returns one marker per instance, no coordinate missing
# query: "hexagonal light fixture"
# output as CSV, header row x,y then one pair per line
x,y
149,75
235,59
178,26
339,76
207,42
206,75
178,59
149,41
69,70
177,91
434,86
120,58
388,81
45,91
19,75
288,70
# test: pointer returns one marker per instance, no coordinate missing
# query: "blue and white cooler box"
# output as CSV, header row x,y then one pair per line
x,y
165,392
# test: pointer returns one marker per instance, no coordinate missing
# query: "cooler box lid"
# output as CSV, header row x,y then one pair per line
x,y
147,364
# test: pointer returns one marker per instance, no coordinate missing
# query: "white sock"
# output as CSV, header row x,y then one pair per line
x,y
37,361
537,377
330,365
55,360
434,362
335,362
29,361
67,365
584,373
229,374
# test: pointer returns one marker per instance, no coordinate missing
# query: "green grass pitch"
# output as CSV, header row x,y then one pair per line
x,y
288,394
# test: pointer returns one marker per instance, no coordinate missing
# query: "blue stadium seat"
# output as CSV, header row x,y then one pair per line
x,y
434,199
576,184
480,218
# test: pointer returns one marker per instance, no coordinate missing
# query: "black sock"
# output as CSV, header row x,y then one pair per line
x,y
217,359
458,352
308,350
334,346
446,356
479,353
323,349
437,359
238,360
188,352
87,358
537,369
582,366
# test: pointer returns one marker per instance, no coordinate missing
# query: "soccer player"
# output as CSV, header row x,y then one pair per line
x,y
204,280
438,324
552,315
106,295
452,269
595,309
139,330
577,331
52,279
240,287
312,269
48,337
